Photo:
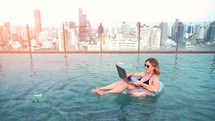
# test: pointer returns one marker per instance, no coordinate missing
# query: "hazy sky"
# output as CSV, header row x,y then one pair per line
x,y
107,11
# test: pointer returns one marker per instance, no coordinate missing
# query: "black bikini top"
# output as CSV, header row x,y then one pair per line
x,y
147,81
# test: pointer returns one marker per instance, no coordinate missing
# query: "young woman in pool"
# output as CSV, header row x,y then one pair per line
x,y
147,84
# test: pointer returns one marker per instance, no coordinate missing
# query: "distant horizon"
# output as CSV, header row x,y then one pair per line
x,y
112,24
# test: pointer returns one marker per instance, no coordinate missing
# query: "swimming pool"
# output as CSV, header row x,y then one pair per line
x,y
53,88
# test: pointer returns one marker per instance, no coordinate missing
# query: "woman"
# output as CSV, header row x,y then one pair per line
x,y
147,84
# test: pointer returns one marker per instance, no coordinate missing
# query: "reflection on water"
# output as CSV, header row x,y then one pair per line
x,y
32,66
138,62
66,65
212,73
101,62
143,105
213,64
65,56
123,100
59,88
175,64
0,67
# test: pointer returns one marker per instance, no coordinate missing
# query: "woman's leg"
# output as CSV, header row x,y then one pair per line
x,y
117,89
111,86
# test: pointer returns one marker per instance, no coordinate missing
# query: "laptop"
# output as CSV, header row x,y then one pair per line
x,y
123,75
121,72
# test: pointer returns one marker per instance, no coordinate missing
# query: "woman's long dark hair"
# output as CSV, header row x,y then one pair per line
x,y
155,64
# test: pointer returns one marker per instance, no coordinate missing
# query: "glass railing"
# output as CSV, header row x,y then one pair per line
x,y
135,38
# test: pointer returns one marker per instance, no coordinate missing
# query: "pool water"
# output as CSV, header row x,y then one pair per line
x,y
55,88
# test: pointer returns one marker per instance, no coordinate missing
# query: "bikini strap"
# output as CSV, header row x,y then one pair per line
x,y
144,75
151,76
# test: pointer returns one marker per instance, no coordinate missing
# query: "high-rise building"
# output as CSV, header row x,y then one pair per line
x,y
190,29
70,34
5,33
100,30
83,34
199,31
155,37
164,32
177,32
38,24
124,29
145,35
7,25
3,36
210,37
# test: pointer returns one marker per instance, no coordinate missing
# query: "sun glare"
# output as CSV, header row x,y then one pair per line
x,y
58,11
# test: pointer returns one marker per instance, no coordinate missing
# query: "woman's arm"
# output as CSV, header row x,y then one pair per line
x,y
136,74
153,87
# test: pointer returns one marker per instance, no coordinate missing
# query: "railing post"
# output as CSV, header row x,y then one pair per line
x,y
64,42
177,41
138,26
29,41
100,32
101,43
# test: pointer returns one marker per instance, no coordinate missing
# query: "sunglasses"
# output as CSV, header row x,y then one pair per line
x,y
146,65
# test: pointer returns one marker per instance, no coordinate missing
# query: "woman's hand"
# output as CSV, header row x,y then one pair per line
x,y
129,75
138,83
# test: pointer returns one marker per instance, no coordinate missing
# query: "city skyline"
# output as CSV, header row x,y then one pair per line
x,y
107,12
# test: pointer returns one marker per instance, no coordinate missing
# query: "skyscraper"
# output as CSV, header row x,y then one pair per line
x,y
82,25
3,36
38,25
190,29
145,35
199,31
124,29
177,32
70,34
164,32
7,25
100,30
155,37
210,37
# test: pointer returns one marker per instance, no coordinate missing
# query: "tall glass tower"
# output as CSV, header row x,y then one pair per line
x,y
164,32
177,31
82,25
210,37
38,24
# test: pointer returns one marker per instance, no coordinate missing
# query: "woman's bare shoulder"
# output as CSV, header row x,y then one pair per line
x,y
155,78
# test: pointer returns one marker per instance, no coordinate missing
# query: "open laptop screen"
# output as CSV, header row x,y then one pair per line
x,y
121,72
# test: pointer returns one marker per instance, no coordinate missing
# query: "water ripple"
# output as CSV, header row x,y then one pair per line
x,y
50,87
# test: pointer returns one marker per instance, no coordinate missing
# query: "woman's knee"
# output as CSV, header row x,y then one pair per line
x,y
130,87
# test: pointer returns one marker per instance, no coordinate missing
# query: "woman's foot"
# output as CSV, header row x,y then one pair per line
x,y
99,91
94,90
